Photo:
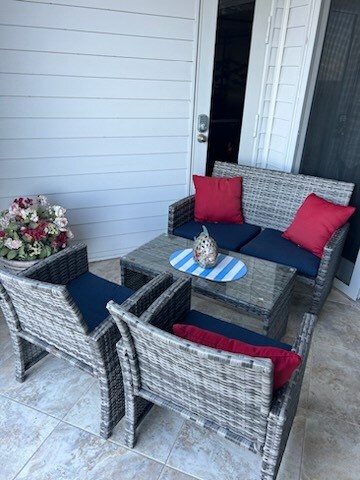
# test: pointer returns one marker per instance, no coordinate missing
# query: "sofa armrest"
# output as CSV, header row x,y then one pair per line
x,y
327,268
61,267
181,212
285,402
337,240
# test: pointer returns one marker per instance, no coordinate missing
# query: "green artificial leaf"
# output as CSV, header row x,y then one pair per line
x,y
48,250
16,236
21,251
43,253
4,251
12,254
33,225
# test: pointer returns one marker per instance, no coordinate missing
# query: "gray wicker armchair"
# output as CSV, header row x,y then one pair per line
x,y
270,199
228,393
44,318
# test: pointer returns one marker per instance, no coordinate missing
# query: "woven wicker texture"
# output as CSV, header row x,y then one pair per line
x,y
265,291
270,199
43,318
227,393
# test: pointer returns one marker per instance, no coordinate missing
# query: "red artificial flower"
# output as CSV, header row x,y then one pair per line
x,y
37,233
2,234
23,202
60,241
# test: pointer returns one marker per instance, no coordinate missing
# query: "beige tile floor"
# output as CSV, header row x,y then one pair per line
x,y
49,424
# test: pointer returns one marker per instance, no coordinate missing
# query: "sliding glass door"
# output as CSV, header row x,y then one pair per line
x,y
332,144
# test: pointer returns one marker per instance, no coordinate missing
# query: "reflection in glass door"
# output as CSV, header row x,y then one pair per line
x,y
332,144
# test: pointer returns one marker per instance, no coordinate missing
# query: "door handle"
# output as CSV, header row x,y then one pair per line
x,y
201,138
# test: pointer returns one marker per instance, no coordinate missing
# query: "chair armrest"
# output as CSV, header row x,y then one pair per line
x,y
106,326
285,401
301,347
147,294
181,212
171,306
9,311
61,267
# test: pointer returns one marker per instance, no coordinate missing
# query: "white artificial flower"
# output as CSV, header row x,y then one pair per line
x,y
61,222
35,249
52,229
29,213
4,221
70,234
13,244
42,199
34,216
14,209
59,211
24,213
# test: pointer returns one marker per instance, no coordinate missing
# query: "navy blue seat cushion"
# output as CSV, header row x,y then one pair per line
x,y
207,322
229,236
270,245
91,294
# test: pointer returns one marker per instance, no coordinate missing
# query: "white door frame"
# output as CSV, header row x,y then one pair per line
x,y
204,80
256,72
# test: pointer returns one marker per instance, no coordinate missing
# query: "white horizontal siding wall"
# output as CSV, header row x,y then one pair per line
x,y
293,28
96,101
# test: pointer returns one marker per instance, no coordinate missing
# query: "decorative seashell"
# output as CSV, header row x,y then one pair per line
x,y
205,250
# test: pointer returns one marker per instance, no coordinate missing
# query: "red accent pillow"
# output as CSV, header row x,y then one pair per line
x,y
285,362
315,222
218,199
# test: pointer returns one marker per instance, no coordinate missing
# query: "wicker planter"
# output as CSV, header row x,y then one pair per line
x,y
16,266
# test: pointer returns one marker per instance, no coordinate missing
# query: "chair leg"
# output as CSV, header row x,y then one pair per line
x,y
112,396
130,415
26,355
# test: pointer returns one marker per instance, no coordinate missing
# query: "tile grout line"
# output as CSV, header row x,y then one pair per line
x,y
303,445
64,422
172,448
19,402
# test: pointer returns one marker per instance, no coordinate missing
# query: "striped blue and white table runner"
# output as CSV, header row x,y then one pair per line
x,y
227,268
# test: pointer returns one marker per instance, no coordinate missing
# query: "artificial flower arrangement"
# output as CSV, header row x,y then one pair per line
x,y
33,229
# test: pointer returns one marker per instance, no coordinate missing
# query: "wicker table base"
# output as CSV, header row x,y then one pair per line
x,y
265,291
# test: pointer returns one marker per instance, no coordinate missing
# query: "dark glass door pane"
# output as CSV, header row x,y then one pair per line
x,y
332,145
232,49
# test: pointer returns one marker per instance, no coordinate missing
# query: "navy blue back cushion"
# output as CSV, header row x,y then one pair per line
x,y
270,245
207,322
91,294
228,236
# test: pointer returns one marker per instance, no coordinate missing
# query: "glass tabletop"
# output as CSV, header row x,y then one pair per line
x,y
261,287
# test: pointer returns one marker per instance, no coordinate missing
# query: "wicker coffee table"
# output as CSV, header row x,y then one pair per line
x,y
265,291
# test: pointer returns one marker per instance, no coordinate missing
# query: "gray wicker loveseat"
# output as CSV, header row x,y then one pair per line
x,y
270,200
231,394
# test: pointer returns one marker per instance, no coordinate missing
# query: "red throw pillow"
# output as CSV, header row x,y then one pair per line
x,y
218,199
315,222
285,362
